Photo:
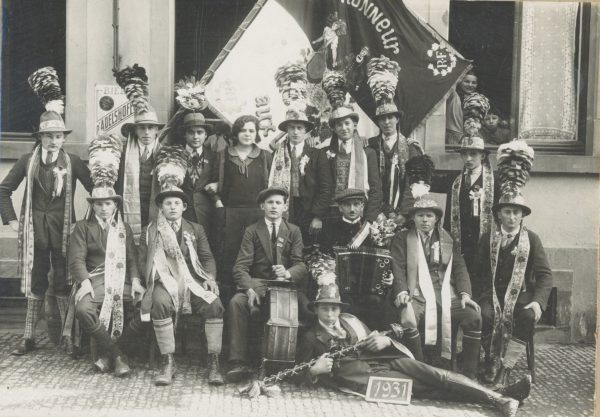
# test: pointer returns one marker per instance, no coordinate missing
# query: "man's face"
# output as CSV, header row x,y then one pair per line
x,y
195,136
425,220
328,313
52,141
472,159
296,132
388,124
469,84
172,208
510,217
352,208
274,206
491,121
344,128
104,209
146,134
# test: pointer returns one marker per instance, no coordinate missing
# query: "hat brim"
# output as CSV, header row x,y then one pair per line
x,y
526,210
115,198
468,148
65,131
209,129
125,129
313,304
283,125
262,196
353,116
170,193
398,113
436,210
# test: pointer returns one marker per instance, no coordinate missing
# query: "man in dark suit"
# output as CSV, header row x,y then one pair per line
x,y
271,250
179,271
307,171
46,216
516,282
430,275
384,356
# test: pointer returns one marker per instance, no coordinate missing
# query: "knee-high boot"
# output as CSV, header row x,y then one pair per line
x,y
412,340
464,386
471,346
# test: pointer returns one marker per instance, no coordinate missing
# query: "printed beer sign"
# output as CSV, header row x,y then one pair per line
x,y
389,390
112,109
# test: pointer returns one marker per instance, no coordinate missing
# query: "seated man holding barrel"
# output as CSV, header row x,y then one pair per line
x,y
271,250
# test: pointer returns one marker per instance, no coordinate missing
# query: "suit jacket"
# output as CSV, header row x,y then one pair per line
x,y
201,204
316,183
406,198
373,205
459,277
43,201
339,233
87,251
538,275
255,259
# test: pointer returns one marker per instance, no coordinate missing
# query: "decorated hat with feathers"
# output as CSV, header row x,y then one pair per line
x,y
171,167
105,156
419,171
45,84
382,76
292,81
514,163
334,85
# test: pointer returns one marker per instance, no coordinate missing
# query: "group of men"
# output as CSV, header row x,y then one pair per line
x,y
150,238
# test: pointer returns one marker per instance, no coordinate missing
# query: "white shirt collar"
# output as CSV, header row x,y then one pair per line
x,y
424,235
299,148
512,234
143,147
357,220
347,146
474,173
192,150
336,325
45,152
269,223
390,140
102,223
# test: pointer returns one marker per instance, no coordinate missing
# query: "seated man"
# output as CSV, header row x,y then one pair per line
x,y
429,275
271,250
385,356
179,269
518,281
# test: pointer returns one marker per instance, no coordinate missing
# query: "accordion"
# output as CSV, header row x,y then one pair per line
x,y
361,271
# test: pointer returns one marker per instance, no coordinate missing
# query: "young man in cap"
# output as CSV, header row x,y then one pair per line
x,y
103,261
46,216
383,355
430,274
271,250
307,172
470,204
513,272
180,272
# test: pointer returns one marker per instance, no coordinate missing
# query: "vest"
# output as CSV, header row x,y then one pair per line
x,y
469,225
145,182
342,171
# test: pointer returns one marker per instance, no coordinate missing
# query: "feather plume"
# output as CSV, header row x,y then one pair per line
x,y
134,81
105,156
419,169
383,79
475,107
326,278
44,83
514,162
334,84
292,82
191,94
171,166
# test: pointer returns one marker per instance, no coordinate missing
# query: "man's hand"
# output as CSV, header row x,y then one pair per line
x,y
537,309
401,299
376,342
86,288
316,225
323,365
211,285
280,272
253,298
211,188
465,300
14,224
387,282
137,290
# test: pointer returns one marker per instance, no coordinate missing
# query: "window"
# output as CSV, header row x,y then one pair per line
x,y
33,36
531,62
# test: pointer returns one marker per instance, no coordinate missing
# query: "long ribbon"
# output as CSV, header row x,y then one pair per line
x,y
131,188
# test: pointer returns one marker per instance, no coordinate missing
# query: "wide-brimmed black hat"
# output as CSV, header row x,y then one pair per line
x,y
172,191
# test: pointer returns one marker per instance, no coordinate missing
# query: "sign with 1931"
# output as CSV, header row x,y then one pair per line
x,y
389,390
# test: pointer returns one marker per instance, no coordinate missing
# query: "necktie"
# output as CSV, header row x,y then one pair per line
x,y
294,151
274,242
175,226
427,246
468,179
507,240
146,154
49,156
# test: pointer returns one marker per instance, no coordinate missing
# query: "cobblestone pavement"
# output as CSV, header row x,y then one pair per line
x,y
47,382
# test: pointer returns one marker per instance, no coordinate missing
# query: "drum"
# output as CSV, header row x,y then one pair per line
x,y
361,271
281,329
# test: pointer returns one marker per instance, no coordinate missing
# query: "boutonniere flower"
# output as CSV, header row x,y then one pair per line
x,y
514,251
189,238
303,161
59,180
395,159
435,249
475,193
330,154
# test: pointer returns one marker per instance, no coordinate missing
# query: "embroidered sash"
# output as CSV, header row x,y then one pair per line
x,y
131,188
397,170
360,236
115,268
280,174
358,177
485,208
503,320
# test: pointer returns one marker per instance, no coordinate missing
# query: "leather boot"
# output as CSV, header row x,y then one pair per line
x,y
503,377
412,340
167,371
471,346
121,366
102,365
214,373
469,389
519,390
24,346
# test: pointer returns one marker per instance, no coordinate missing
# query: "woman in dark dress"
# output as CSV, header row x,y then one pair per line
x,y
243,171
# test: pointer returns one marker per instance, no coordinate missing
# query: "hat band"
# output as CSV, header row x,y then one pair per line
x,y
51,123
